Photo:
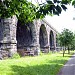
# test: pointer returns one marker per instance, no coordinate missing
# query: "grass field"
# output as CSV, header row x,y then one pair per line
x,y
48,64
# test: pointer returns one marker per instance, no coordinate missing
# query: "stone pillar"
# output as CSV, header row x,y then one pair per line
x,y
35,44
55,41
8,35
48,42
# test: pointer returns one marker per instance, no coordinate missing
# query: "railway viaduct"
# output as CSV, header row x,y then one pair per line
x,y
26,39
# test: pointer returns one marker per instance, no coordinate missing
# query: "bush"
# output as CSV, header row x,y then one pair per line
x,y
41,53
15,56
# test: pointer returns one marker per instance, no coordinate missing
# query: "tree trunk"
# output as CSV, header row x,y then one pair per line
x,y
63,52
68,50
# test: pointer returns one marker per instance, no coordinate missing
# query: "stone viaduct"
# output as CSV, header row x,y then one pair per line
x,y
26,39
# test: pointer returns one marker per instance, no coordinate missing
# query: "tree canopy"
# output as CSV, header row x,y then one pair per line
x,y
54,7
73,43
27,12
66,38
24,10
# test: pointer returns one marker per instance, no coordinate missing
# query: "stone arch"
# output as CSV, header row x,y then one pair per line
x,y
51,40
43,38
24,38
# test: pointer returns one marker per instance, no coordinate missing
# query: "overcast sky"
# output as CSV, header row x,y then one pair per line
x,y
65,20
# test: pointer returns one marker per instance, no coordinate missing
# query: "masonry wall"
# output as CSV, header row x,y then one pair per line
x,y
25,39
8,36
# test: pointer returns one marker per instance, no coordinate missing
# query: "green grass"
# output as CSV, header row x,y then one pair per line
x,y
48,64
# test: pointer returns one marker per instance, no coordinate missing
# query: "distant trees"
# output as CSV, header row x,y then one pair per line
x,y
66,38
73,43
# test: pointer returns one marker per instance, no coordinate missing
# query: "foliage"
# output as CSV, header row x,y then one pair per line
x,y
15,56
24,10
53,7
57,39
49,64
73,43
66,37
27,12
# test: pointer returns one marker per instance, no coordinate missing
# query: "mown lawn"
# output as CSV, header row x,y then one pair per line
x,y
48,64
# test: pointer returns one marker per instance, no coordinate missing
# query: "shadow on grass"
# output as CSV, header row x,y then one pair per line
x,y
62,53
35,70
49,68
67,55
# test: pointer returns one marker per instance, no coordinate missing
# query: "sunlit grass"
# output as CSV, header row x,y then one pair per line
x,y
48,64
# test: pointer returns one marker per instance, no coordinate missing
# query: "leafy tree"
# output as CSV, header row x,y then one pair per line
x,y
73,43
27,12
66,39
53,7
24,10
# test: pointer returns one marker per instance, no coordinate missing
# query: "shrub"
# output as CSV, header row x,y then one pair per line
x,y
41,53
15,56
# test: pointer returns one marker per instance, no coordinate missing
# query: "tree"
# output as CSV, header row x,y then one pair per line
x,y
27,12
24,10
54,6
66,39
73,43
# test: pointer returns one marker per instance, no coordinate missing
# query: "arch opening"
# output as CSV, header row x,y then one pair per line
x,y
51,40
24,38
43,38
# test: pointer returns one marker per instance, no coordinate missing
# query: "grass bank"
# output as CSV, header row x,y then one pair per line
x,y
48,64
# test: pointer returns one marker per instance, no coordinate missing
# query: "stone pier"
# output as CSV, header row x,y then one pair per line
x,y
8,36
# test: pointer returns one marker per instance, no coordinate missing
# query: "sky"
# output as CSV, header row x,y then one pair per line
x,y
65,20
